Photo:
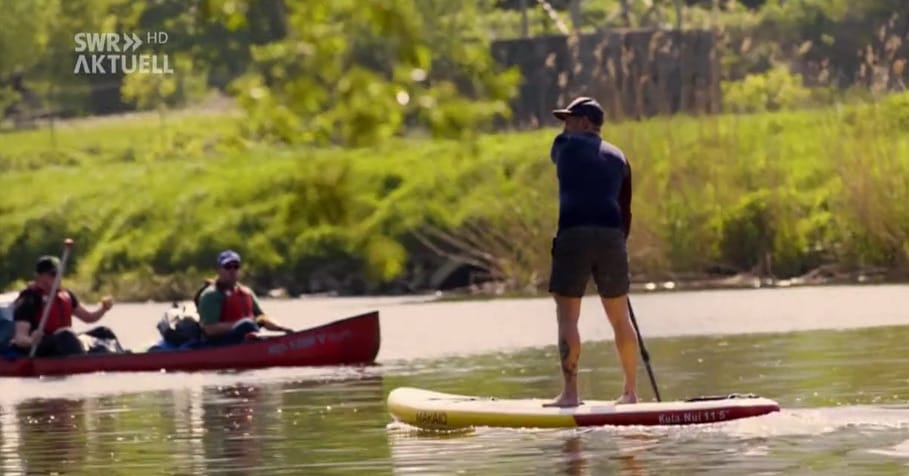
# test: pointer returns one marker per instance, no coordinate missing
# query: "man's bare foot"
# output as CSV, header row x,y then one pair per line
x,y
563,402
627,398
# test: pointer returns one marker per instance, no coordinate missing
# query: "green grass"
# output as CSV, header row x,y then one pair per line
x,y
150,203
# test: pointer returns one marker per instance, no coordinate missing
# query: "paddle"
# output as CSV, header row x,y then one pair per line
x,y
67,245
644,354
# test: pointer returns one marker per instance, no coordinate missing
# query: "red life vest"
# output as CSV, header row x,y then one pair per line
x,y
237,304
61,311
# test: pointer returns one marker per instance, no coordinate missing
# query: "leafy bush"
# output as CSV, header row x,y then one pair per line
x,y
780,193
774,90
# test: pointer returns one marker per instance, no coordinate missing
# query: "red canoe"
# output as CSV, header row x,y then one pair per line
x,y
354,340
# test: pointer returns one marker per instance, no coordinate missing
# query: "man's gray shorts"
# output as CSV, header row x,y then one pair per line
x,y
581,252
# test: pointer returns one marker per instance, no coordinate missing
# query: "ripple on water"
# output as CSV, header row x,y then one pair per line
x,y
334,420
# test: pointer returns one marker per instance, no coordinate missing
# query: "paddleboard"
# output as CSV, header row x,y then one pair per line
x,y
444,411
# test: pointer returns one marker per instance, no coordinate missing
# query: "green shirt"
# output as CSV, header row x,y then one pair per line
x,y
210,305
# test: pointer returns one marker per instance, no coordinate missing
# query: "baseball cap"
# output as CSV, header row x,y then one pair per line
x,y
582,106
228,256
47,264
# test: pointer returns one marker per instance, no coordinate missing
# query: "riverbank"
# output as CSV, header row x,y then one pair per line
x,y
822,277
496,291
151,202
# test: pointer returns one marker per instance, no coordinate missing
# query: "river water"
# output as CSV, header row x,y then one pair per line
x,y
834,357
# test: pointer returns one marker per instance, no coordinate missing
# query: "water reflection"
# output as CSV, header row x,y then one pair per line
x,y
9,442
631,451
334,421
329,425
576,463
236,421
570,452
298,426
52,435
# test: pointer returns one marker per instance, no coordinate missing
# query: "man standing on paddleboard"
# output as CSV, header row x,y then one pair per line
x,y
593,225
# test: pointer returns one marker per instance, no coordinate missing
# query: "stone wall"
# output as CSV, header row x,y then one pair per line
x,y
633,73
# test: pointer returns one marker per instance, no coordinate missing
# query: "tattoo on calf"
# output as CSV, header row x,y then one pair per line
x,y
569,369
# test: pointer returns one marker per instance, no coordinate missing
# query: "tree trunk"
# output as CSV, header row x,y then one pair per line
x,y
576,15
625,13
678,14
525,26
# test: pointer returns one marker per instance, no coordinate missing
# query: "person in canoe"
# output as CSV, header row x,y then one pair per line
x,y
594,220
57,338
229,311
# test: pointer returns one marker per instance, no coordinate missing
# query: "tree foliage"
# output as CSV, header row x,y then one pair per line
x,y
320,71
357,72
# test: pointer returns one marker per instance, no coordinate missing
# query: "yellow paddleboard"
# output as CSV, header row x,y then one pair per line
x,y
444,411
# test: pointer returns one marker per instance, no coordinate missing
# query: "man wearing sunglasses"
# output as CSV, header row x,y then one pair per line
x,y
57,337
228,310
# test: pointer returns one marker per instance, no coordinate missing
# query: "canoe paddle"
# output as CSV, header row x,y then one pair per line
x,y
644,354
67,245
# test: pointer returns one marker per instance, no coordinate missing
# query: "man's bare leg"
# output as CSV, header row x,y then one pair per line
x,y
568,310
626,344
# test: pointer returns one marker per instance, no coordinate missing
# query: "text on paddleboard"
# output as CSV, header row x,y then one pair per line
x,y
425,418
697,416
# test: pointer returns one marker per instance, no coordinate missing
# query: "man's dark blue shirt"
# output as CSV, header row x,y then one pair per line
x,y
594,182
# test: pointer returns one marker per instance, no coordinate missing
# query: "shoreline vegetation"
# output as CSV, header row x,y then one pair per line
x,y
367,151
786,198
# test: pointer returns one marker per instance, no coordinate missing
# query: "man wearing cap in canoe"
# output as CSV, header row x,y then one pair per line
x,y
228,310
57,337
593,225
